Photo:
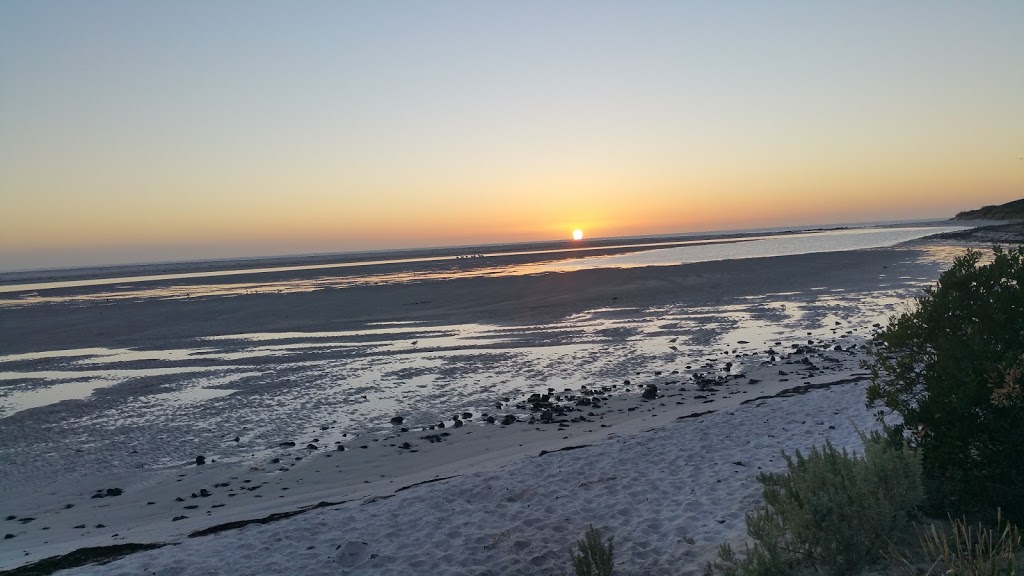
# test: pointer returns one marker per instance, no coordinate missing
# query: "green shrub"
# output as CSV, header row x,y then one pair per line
x,y
829,511
952,368
594,558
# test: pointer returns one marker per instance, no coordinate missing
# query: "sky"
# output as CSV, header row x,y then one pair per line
x,y
135,131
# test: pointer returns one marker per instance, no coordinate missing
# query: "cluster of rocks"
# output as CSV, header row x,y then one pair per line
x,y
108,493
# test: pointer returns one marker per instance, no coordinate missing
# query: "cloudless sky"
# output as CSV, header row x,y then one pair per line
x,y
143,130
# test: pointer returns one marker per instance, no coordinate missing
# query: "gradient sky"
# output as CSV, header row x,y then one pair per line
x,y
143,130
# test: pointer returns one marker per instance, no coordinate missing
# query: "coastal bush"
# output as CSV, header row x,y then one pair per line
x,y
952,367
595,558
829,512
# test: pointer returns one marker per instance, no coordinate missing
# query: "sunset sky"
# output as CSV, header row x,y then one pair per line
x,y
142,130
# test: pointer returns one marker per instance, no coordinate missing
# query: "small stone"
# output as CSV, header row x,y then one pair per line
x,y
114,492
397,420
200,460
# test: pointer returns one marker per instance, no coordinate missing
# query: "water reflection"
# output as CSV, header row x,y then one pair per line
x,y
682,252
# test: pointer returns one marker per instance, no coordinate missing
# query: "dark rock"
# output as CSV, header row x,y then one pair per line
x,y
101,525
650,393
341,448
397,420
114,492
179,499
287,444
238,439
8,536
200,460
467,415
458,424
11,517
79,526
204,493
546,416
490,420
311,447
176,518
508,419
441,425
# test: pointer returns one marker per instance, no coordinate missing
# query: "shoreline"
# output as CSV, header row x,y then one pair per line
x,y
508,300
685,484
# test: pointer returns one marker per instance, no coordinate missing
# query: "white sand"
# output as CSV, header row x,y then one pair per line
x,y
669,495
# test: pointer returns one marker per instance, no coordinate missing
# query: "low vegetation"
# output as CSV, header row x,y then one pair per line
x,y
973,550
595,558
830,512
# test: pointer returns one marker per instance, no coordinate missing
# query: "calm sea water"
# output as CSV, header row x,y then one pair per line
x,y
499,261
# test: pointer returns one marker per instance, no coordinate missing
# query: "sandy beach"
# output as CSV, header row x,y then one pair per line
x,y
466,426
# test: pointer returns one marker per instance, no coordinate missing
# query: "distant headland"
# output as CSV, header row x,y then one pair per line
x,y
1013,210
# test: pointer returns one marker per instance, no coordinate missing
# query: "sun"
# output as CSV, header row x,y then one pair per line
x,y
577,234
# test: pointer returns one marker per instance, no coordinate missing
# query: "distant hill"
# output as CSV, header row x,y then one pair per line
x,y
1010,211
